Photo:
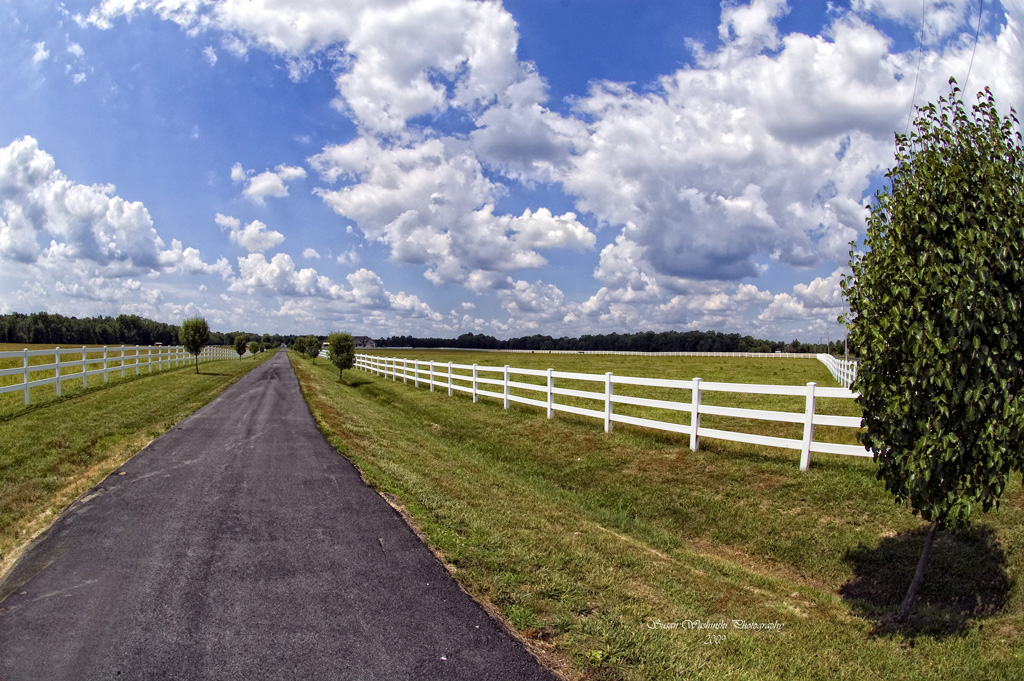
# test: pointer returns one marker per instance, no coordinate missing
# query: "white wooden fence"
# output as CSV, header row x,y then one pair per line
x,y
79,363
444,375
842,370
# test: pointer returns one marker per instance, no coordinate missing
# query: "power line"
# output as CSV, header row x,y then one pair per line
x,y
981,11
917,76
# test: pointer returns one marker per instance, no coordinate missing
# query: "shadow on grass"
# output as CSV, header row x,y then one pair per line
x,y
966,579
355,381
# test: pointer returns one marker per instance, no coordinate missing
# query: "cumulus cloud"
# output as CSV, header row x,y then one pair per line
x,y
268,183
81,242
393,70
752,161
363,291
254,237
935,20
82,222
433,205
189,261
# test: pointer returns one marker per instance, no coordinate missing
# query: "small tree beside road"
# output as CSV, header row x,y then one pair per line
x,y
936,300
311,347
194,336
254,348
341,348
240,346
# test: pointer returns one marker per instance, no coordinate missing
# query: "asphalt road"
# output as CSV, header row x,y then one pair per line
x,y
240,545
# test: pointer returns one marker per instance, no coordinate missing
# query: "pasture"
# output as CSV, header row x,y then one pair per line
x,y
626,555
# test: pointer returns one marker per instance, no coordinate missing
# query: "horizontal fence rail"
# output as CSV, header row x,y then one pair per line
x,y
498,382
79,363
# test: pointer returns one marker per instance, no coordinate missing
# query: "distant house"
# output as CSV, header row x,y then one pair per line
x,y
364,342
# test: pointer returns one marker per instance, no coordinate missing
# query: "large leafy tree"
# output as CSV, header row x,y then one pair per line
x,y
935,302
194,335
341,348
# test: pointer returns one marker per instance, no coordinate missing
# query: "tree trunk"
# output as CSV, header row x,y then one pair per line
x,y
915,584
197,364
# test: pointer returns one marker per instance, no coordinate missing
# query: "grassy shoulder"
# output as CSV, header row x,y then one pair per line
x,y
51,453
614,553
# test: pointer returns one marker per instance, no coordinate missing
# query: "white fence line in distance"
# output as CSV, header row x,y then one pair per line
x,y
468,378
844,371
79,363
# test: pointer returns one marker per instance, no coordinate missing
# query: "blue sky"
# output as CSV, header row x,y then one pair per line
x,y
437,167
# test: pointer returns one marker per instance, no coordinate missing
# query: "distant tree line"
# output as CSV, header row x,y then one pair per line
x,y
648,341
44,327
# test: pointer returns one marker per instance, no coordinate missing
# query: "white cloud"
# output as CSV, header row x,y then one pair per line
x,y
751,162
432,204
79,249
210,55
76,50
81,222
363,292
349,258
941,18
41,53
311,254
189,261
268,183
751,27
254,237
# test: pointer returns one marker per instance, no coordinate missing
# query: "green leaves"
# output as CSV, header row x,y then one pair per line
x,y
935,302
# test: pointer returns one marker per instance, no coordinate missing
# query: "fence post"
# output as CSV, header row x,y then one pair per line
x,y
136,360
431,375
506,386
608,402
474,385
24,364
695,415
405,370
122,360
105,367
551,393
416,377
805,452
85,377
449,379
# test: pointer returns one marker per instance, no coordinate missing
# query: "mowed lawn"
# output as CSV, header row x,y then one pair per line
x,y
56,449
627,556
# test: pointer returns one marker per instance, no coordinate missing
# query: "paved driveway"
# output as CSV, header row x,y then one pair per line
x,y
240,545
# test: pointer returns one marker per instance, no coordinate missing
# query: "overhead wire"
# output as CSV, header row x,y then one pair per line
x,y
981,11
917,76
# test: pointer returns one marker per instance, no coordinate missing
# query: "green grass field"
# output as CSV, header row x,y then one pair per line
x,y
53,451
610,552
